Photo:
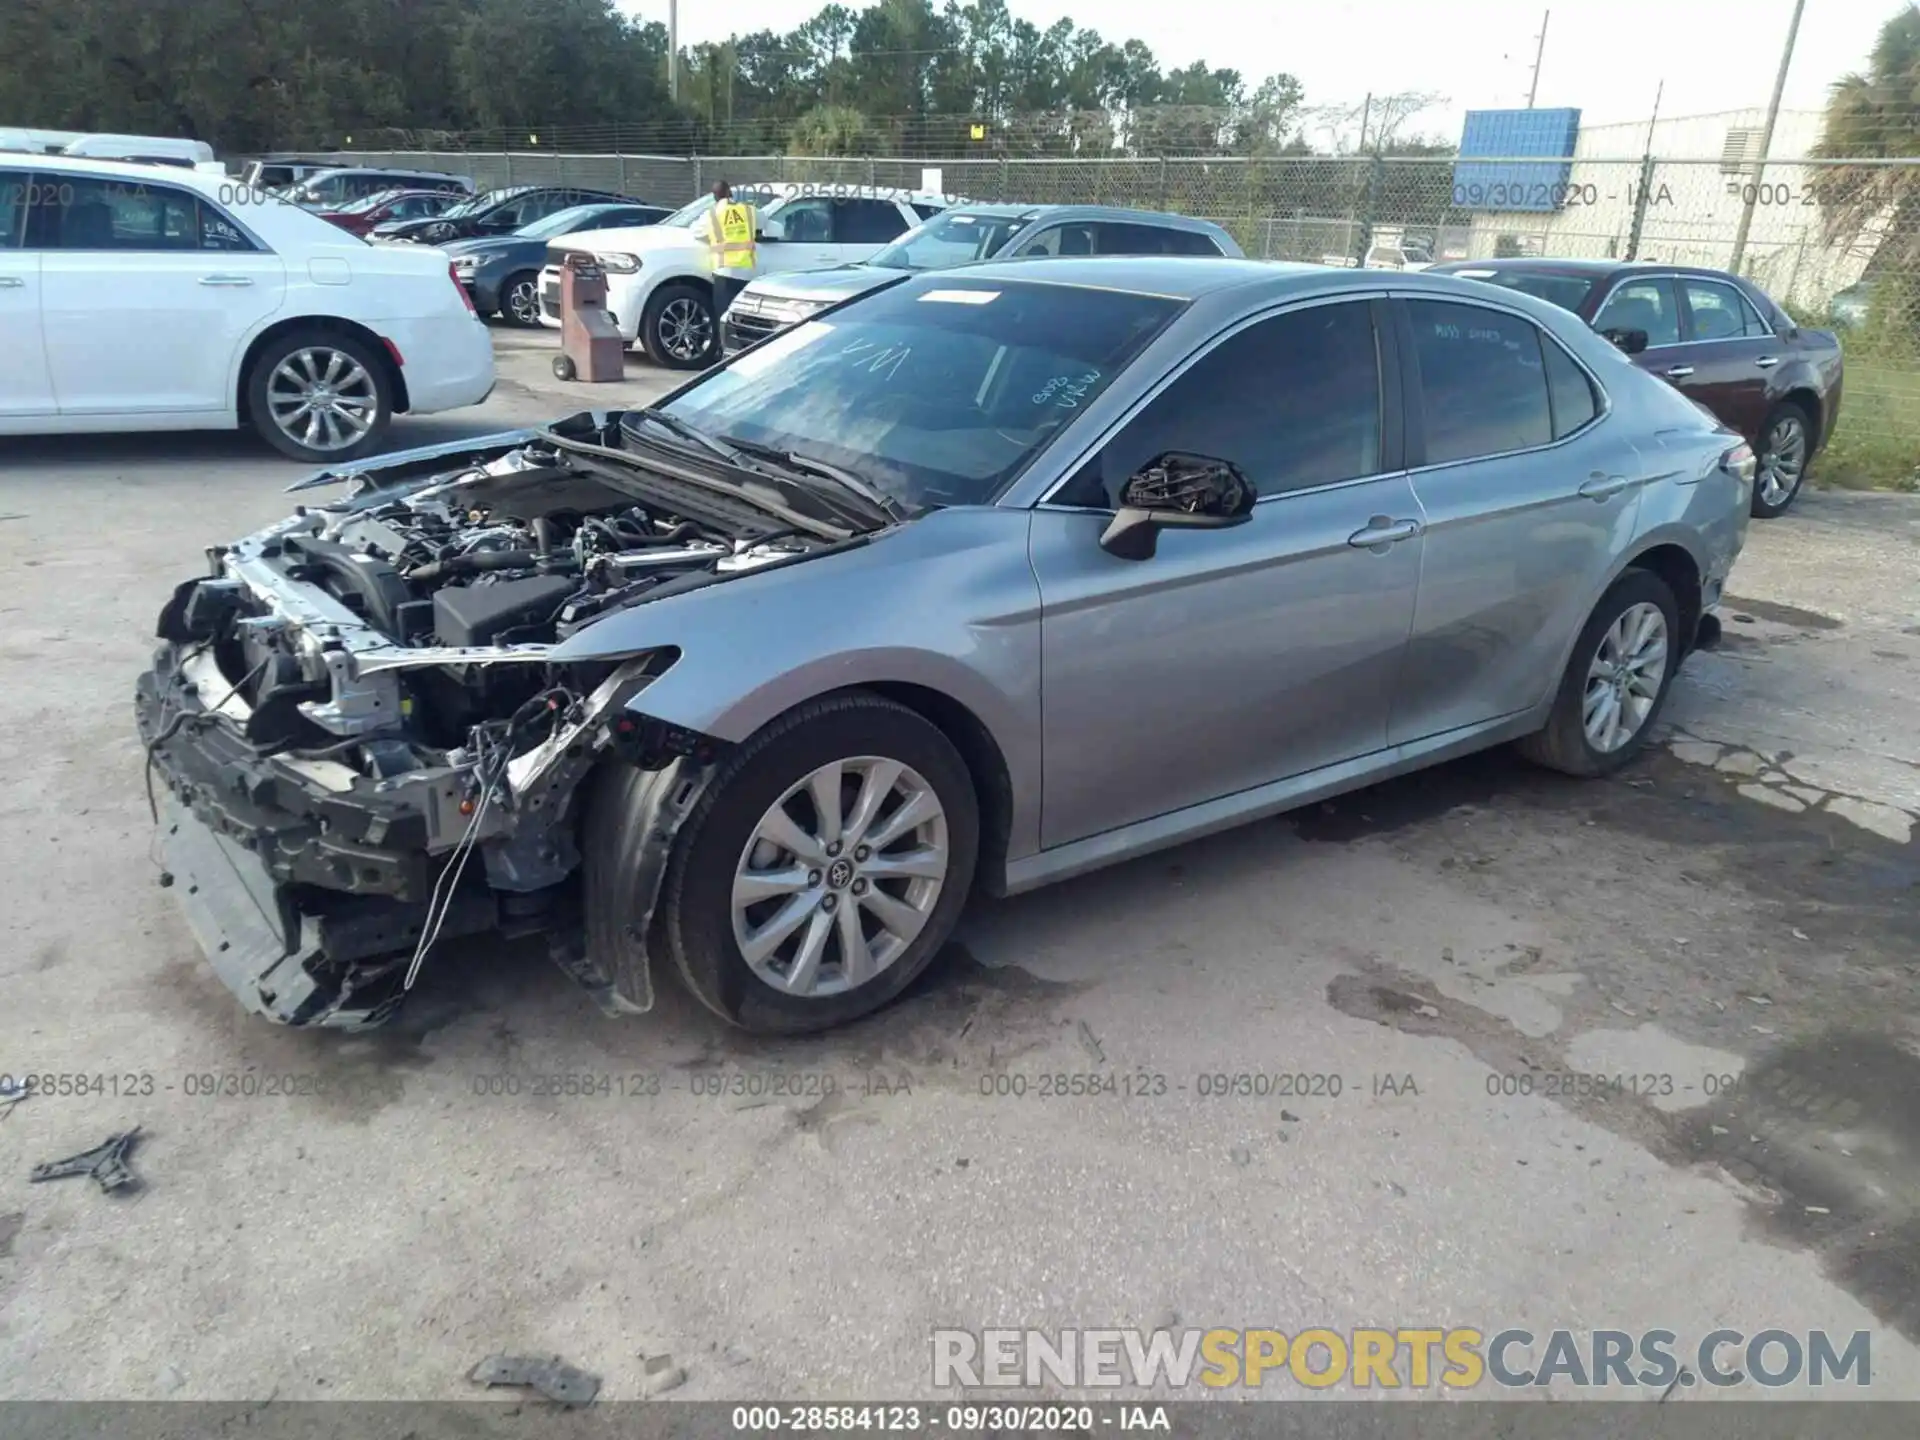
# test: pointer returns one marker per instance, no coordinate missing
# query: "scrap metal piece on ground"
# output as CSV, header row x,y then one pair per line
x,y
106,1163
548,1374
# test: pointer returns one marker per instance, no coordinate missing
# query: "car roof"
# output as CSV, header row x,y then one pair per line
x,y
1596,269
1178,277
201,180
1164,219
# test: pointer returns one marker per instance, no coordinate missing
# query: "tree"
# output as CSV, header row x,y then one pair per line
x,y
1873,115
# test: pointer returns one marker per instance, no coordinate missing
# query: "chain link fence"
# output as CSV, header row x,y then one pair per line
x,y
1774,222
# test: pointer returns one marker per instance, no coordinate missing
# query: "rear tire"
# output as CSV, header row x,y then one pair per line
x,y
1622,667
895,897
1786,449
678,327
319,396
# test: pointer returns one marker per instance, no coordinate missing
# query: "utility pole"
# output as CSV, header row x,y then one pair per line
x,y
1766,139
1539,54
673,49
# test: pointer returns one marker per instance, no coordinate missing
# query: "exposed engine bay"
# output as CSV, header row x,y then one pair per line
x,y
362,699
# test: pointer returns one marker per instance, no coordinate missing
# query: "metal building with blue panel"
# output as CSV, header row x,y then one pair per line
x,y
1508,182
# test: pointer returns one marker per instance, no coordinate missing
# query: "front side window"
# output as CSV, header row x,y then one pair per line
x,y
867,222
1293,401
1647,305
1483,385
953,238
807,221
15,190
936,394
1062,240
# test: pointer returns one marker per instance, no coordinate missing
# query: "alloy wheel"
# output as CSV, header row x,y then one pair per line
x,y
322,398
1783,460
686,328
1624,677
840,876
523,302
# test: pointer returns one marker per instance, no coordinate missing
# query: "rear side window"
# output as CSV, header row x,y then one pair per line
x,y
1483,387
1190,242
1568,390
1720,312
97,214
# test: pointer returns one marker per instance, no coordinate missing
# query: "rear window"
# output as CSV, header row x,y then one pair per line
x,y
1569,292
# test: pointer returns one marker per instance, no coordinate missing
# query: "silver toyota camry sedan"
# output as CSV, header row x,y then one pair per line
x,y
986,578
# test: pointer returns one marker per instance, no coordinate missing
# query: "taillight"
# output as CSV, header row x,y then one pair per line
x,y
465,298
1739,461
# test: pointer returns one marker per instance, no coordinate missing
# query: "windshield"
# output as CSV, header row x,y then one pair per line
x,y
954,238
931,394
368,202
1569,292
472,203
561,222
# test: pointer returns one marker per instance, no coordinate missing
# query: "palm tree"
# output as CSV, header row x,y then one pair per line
x,y
1873,116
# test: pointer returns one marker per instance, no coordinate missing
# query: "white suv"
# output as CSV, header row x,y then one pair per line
x,y
138,297
659,284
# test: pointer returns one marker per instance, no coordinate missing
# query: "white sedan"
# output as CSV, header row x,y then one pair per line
x,y
138,297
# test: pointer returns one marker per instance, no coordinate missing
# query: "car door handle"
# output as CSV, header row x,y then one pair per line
x,y
11,282
1767,362
1604,487
1383,531
1678,372
226,279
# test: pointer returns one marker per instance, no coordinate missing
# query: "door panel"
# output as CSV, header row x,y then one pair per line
x,y
1234,657
1229,659
1521,525
25,388
1727,344
137,316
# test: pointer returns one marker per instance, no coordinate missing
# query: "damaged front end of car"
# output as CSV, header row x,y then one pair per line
x,y
359,744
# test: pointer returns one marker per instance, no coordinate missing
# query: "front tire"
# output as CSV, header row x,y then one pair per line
x,y
319,396
1786,447
823,868
678,327
1616,681
520,300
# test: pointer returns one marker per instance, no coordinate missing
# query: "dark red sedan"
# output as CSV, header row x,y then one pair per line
x,y
360,216
1719,338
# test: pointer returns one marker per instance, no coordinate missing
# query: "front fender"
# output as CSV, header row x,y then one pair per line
x,y
947,603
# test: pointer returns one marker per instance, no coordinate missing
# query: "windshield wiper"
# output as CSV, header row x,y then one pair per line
x,y
674,425
793,460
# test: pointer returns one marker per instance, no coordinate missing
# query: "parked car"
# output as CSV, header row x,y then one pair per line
x,y
659,282
358,217
502,272
1718,337
497,212
330,189
961,236
133,298
283,171
1849,308
993,577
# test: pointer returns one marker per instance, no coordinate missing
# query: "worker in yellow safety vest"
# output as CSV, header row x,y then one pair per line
x,y
730,231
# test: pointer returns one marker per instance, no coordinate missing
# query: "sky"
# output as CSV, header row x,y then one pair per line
x,y
1605,57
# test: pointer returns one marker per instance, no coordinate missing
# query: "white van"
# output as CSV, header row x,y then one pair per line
x,y
144,150
38,142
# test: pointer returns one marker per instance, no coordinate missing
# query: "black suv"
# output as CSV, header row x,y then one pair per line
x,y
496,212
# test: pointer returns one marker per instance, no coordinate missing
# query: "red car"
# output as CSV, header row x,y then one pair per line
x,y
360,216
1718,338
